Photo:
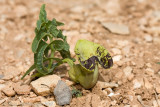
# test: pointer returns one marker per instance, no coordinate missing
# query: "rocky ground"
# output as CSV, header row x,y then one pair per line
x,y
129,30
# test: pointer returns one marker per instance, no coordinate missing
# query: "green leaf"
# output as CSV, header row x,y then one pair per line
x,y
43,14
66,46
60,35
58,44
39,25
59,23
29,70
65,54
37,40
54,31
158,62
59,61
39,58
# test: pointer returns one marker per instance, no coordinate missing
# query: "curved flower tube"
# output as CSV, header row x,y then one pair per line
x,y
89,55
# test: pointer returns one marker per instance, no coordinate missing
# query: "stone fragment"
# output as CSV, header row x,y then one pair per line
x,y
148,38
116,51
62,93
49,103
2,86
22,89
1,76
116,28
117,58
147,84
69,83
127,71
8,91
158,89
77,9
19,53
3,100
148,65
150,71
32,94
104,85
136,84
122,43
32,100
42,85
130,77
119,74
111,7
155,103
14,103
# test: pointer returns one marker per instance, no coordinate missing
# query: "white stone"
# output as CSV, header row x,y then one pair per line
x,y
136,84
106,84
155,103
2,86
148,38
49,103
117,58
78,9
127,71
116,28
116,51
122,43
150,71
42,85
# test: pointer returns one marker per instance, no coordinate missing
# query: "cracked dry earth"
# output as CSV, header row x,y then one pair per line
x,y
129,30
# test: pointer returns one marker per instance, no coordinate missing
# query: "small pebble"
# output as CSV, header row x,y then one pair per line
x,y
116,28
150,71
116,51
62,93
137,84
148,38
117,58
8,91
14,103
1,76
22,89
49,103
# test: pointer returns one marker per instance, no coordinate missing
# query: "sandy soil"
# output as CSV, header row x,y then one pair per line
x,y
135,54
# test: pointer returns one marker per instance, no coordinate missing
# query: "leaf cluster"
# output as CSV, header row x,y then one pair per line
x,y
47,31
76,92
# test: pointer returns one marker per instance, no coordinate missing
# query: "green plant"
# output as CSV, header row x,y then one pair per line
x,y
89,55
76,92
47,41
158,62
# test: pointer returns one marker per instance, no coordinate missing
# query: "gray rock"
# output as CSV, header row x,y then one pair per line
x,y
62,93
1,76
